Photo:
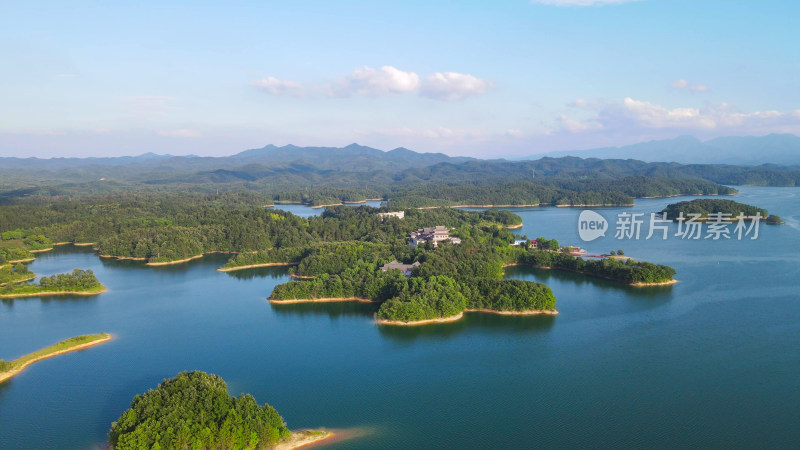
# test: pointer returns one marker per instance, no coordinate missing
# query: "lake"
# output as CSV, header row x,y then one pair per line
x,y
712,361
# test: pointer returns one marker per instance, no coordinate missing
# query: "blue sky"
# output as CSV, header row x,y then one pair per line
x,y
502,78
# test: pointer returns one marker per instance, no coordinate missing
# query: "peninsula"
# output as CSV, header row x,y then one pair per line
x,y
8,369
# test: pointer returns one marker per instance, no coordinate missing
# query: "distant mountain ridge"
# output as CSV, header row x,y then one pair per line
x,y
741,150
353,157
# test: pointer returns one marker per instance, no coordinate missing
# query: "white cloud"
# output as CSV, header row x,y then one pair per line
x,y
388,80
635,115
280,87
181,133
452,86
683,85
371,82
580,2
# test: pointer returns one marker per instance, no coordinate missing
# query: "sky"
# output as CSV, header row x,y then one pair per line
x,y
475,78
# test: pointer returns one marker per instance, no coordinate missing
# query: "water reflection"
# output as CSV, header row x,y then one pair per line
x,y
61,298
471,322
331,309
276,272
548,276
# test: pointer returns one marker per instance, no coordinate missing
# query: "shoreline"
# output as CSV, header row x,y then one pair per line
x,y
661,283
253,266
303,438
514,227
15,371
52,293
178,261
568,206
321,300
41,250
123,258
23,261
420,322
301,277
19,281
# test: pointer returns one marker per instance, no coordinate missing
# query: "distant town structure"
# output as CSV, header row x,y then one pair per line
x,y
398,214
404,268
432,234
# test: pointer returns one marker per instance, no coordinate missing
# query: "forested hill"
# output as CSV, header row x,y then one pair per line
x,y
353,157
750,150
323,175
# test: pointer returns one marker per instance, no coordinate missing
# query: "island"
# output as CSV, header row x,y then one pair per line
x,y
79,282
194,410
8,369
706,207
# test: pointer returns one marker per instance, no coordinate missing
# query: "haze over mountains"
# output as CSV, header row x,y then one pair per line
x,y
353,157
783,149
741,150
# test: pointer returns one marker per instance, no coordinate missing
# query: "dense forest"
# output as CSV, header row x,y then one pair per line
x,y
626,271
170,227
14,273
408,179
338,253
194,410
705,207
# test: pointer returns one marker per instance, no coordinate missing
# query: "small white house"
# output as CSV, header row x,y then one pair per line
x,y
398,214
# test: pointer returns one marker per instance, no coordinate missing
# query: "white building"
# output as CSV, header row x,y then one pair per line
x,y
398,214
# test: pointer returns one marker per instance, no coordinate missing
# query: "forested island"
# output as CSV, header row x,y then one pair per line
x,y
79,282
707,207
194,410
10,368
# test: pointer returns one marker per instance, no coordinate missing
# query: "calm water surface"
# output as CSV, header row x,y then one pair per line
x,y
712,361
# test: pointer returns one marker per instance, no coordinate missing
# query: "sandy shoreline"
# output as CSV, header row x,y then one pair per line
x,y
51,293
178,261
253,266
514,227
304,438
27,260
321,300
663,283
15,371
420,322
42,250
124,258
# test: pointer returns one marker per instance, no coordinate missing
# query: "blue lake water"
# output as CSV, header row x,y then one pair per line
x,y
712,361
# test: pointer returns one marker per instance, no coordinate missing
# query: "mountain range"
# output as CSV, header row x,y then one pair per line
x,y
741,150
